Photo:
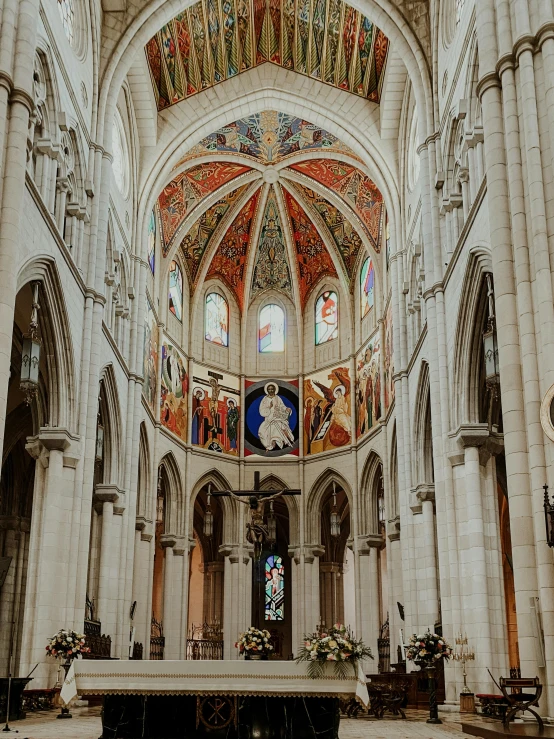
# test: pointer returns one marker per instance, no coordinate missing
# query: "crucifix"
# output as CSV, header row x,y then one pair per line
x,y
257,532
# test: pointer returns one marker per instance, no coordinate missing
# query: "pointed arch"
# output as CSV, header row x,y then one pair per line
x,y
57,344
468,338
273,482
110,408
322,485
423,472
371,484
174,499
144,483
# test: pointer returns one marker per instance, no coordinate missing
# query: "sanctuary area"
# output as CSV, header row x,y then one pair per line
x,y
276,362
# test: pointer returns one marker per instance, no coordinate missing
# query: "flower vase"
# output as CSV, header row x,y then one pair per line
x,y
64,713
432,685
255,656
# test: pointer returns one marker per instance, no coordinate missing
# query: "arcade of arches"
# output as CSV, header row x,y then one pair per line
x,y
283,246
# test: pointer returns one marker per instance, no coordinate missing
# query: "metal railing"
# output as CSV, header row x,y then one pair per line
x,y
204,649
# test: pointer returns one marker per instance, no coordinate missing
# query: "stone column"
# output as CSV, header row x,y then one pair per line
x,y
168,542
312,604
368,593
232,606
428,584
394,571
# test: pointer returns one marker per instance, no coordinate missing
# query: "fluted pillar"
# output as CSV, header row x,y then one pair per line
x,y
368,591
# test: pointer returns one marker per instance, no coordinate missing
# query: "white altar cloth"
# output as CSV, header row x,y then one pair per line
x,y
211,677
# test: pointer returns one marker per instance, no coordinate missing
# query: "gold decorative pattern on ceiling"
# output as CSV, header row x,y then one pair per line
x,y
215,40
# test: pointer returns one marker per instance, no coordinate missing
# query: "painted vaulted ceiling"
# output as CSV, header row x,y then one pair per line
x,y
215,40
284,227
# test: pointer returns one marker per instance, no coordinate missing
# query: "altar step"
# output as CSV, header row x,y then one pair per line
x,y
497,729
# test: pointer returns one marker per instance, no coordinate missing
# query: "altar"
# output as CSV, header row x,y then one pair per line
x,y
224,699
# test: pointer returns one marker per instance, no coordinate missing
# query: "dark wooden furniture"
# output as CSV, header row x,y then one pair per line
x,y
39,699
492,705
16,697
417,695
388,698
219,717
517,700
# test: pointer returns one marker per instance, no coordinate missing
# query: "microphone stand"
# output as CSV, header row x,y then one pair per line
x,y
7,726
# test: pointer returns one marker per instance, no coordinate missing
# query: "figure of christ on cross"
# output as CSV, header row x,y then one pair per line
x,y
256,528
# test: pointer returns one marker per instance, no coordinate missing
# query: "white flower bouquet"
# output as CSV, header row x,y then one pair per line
x,y
336,645
254,643
427,649
66,644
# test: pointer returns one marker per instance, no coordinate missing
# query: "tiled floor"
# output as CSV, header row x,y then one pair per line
x,y
85,724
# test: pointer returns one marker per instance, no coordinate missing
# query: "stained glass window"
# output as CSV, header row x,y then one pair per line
x,y
152,242
217,319
274,588
67,13
367,286
175,290
271,329
326,317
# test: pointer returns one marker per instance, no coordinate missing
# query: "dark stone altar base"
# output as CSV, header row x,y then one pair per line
x,y
175,717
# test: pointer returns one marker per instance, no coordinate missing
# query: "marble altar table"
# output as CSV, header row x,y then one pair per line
x,y
224,699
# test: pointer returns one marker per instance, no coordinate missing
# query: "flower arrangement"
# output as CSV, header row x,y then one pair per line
x,y
66,644
337,645
426,649
254,643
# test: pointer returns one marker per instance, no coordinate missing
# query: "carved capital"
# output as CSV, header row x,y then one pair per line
x,y
393,529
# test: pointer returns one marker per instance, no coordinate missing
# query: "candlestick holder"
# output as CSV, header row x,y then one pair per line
x,y
463,654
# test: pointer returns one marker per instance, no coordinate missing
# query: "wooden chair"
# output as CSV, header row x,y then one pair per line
x,y
518,700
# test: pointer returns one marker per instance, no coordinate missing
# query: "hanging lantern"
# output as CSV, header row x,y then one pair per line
x,y
99,440
30,356
209,516
271,525
549,517
335,518
490,343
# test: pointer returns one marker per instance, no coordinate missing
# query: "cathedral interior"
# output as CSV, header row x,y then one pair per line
x,y
296,249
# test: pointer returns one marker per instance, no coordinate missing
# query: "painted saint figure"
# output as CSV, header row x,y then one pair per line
x,y
232,424
275,430
197,416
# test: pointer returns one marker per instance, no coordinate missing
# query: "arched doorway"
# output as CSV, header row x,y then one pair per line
x,y
336,582
206,576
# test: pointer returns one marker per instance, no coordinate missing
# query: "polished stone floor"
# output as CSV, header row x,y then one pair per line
x,y
85,724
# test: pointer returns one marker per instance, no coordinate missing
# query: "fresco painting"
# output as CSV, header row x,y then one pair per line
x,y
215,421
174,390
271,418
368,387
327,410
150,357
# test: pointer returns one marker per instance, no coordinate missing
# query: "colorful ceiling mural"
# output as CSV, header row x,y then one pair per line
x,y
186,190
343,232
354,187
268,137
215,40
229,261
314,261
271,268
194,244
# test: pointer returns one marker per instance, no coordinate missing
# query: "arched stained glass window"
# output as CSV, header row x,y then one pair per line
x,y
326,317
176,290
274,588
217,319
271,329
152,242
67,13
367,286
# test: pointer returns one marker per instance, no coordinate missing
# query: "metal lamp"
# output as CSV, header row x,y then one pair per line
x,y
490,346
271,525
30,356
335,518
548,517
209,516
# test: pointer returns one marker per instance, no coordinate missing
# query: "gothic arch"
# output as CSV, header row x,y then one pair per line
x,y
322,485
468,338
229,506
110,408
372,474
144,483
174,509
57,343
423,472
273,482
